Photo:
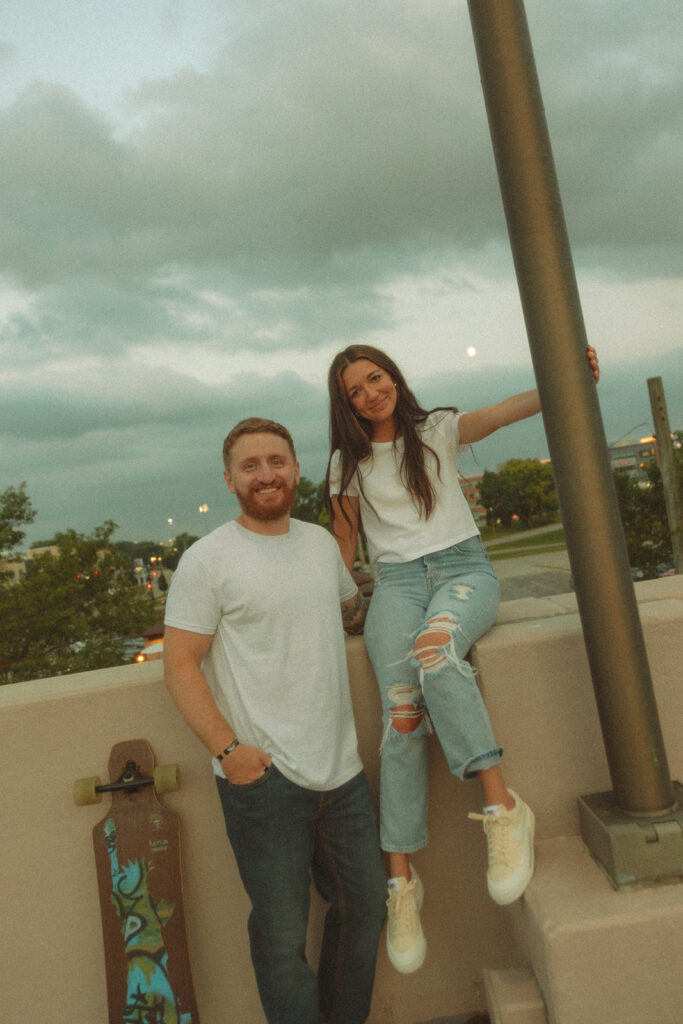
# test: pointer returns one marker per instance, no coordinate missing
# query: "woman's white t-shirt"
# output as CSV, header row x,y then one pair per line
x,y
393,526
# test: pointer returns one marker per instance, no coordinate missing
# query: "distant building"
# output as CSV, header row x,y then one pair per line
x,y
470,488
19,565
634,456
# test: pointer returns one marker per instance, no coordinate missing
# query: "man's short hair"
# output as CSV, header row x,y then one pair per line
x,y
255,425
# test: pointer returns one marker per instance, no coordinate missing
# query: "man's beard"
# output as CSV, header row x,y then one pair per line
x,y
267,510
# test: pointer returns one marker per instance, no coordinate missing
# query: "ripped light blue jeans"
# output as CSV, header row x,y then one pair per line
x,y
458,588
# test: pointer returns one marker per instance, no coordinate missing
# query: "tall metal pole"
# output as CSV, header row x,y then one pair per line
x,y
576,438
670,481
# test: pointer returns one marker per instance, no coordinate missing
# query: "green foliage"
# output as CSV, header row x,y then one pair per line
x,y
643,514
309,505
67,612
144,549
522,487
181,543
643,517
15,511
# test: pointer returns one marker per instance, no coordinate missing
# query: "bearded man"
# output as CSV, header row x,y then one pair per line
x,y
255,661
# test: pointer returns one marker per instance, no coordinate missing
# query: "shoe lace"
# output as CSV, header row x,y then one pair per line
x,y
403,910
499,838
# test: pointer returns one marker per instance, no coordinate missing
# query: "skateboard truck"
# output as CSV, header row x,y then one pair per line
x,y
166,779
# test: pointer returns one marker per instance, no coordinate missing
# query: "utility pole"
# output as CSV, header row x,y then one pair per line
x,y
578,448
667,466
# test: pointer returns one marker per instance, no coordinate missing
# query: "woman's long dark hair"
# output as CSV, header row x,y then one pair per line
x,y
351,434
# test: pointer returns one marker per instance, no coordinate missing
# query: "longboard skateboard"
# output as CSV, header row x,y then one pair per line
x,y
137,856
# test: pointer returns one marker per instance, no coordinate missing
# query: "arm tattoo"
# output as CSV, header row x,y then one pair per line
x,y
353,614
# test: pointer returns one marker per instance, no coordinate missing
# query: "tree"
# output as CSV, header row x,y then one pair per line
x,y
144,549
498,497
15,511
522,487
309,505
181,543
643,514
68,612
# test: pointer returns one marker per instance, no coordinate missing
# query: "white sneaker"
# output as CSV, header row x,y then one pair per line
x,y
406,944
510,838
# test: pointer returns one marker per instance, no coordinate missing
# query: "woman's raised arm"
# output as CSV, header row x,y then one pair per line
x,y
474,426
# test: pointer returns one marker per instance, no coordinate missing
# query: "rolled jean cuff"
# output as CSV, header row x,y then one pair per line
x,y
481,763
390,846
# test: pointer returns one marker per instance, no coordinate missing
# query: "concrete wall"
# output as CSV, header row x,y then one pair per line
x,y
592,954
534,675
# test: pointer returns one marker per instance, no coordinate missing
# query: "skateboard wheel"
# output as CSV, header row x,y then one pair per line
x,y
166,778
85,791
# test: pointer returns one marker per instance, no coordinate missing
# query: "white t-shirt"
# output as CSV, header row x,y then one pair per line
x,y
391,518
277,664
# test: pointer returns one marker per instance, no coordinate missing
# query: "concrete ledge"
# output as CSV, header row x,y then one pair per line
x,y
597,954
536,680
513,997
60,687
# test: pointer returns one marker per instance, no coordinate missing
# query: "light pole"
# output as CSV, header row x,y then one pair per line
x,y
595,538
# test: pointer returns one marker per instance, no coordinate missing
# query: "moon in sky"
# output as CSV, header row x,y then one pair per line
x,y
471,351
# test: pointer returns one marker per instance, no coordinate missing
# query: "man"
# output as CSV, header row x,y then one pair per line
x,y
255,661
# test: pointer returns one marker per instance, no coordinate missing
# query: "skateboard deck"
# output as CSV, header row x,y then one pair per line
x,y
137,856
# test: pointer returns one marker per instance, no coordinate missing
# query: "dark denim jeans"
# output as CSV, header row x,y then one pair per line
x,y
282,834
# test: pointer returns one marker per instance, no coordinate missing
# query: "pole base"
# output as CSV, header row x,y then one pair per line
x,y
633,850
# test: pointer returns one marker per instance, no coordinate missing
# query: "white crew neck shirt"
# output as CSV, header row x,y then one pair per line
x,y
395,530
277,664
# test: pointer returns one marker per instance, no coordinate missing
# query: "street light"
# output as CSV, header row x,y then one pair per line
x,y
203,509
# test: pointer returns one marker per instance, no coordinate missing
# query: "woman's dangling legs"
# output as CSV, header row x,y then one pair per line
x,y
463,607
396,613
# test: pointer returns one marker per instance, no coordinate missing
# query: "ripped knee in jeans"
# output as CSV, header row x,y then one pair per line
x,y
407,713
434,647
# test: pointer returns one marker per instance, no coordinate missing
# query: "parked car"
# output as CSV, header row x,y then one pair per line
x,y
131,646
152,652
666,569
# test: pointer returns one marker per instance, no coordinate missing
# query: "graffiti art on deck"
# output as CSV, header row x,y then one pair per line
x,y
150,998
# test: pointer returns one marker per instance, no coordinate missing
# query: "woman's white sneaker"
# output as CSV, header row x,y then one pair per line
x,y
406,944
510,839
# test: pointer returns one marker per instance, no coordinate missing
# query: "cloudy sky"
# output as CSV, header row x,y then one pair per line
x,y
203,200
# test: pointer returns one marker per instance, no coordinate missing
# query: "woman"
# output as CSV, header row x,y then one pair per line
x,y
393,474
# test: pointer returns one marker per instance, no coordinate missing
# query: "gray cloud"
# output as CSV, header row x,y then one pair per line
x,y
267,203
321,132
39,412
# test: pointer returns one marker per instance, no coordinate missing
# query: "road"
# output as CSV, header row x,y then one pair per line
x,y
532,575
540,575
